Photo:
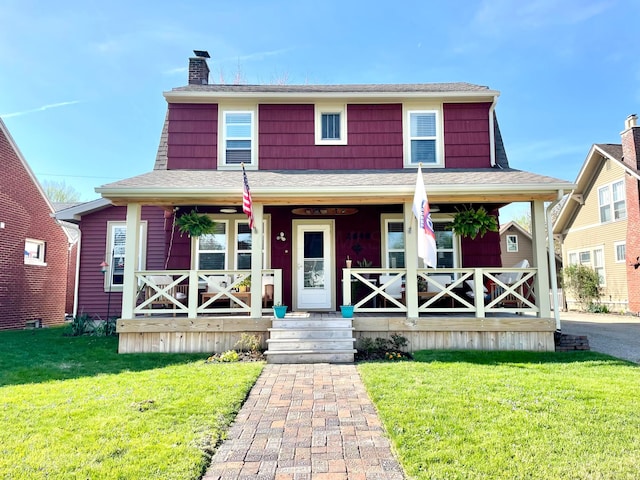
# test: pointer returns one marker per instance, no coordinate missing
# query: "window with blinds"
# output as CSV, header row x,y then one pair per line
x,y
423,137
238,131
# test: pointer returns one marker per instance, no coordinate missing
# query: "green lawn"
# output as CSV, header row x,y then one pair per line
x,y
510,415
72,408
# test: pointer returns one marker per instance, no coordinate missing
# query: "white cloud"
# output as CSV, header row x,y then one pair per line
x,y
38,109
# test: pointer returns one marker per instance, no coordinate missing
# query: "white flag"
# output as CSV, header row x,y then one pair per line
x,y
426,236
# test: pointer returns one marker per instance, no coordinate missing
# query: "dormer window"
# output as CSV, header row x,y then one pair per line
x,y
238,138
331,124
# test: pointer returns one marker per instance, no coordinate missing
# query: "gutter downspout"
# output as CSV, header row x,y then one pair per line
x,y
492,137
552,260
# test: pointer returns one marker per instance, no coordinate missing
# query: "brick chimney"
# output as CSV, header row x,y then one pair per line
x,y
631,157
198,68
631,142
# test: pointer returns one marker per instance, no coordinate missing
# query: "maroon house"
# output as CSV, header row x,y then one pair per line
x,y
34,249
332,171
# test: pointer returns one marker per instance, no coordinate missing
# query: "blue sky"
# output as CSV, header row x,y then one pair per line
x,y
82,82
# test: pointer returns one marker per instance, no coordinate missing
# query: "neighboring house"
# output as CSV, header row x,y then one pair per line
x,y
599,226
332,171
516,245
34,248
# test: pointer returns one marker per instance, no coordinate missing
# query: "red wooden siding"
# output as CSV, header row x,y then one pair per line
x,y
287,141
28,292
466,135
92,299
193,137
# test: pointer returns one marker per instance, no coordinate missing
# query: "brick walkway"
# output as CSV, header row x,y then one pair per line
x,y
306,422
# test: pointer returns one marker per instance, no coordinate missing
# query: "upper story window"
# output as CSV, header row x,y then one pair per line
x,y
612,202
238,137
331,124
422,144
620,251
34,252
512,243
115,253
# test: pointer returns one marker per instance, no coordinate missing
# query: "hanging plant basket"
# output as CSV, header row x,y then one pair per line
x,y
472,222
195,224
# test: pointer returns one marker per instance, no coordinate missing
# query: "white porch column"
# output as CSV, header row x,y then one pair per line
x,y
541,285
411,260
131,260
257,236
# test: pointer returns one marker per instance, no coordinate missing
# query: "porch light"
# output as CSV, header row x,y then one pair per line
x,y
228,210
103,267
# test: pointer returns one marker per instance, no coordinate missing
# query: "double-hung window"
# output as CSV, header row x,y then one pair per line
x,y
512,243
620,251
212,250
422,138
115,253
239,141
593,258
394,244
612,202
331,124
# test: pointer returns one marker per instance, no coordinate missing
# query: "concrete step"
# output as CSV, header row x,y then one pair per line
x,y
281,333
301,324
309,344
311,356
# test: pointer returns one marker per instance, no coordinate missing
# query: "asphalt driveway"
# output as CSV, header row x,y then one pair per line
x,y
616,335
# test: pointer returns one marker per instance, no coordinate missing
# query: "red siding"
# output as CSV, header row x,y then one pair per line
x,y
92,299
287,141
28,292
193,136
466,135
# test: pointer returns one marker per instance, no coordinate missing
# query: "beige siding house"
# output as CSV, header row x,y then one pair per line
x,y
598,226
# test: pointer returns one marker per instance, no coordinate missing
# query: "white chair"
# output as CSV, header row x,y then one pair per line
x,y
471,290
394,289
160,282
443,280
510,279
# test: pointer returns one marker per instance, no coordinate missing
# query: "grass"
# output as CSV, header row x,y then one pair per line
x,y
71,407
510,415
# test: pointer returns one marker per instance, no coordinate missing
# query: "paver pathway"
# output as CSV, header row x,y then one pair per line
x,y
306,422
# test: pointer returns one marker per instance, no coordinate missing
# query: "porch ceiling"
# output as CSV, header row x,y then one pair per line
x,y
326,187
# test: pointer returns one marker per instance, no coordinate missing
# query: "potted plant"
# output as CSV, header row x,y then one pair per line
x,y
245,284
472,222
347,311
195,224
279,310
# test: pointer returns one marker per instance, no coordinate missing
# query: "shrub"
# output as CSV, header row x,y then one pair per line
x,y
583,284
249,343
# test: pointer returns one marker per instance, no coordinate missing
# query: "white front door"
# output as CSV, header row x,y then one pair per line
x,y
314,265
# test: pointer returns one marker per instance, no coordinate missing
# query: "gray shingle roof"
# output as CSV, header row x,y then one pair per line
x,y
614,150
458,87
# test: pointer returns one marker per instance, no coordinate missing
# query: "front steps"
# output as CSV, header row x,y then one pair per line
x,y
302,340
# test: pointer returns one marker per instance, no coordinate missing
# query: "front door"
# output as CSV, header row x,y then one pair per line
x,y
314,265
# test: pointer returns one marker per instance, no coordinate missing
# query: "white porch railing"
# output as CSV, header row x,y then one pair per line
x,y
204,292
445,290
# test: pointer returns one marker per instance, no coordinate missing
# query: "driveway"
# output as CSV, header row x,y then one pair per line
x,y
616,335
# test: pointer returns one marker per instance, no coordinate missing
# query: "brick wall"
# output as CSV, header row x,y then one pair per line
x,y
631,156
28,292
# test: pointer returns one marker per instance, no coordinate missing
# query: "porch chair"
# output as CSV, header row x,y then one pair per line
x,y
509,279
394,290
433,289
215,284
179,292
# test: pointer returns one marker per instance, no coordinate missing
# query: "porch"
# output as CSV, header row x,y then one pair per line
x,y
188,312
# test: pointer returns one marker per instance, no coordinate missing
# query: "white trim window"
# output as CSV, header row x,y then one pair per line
x,y
212,249
228,247
331,124
422,138
512,243
115,253
612,202
34,251
394,244
593,258
620,251
238,142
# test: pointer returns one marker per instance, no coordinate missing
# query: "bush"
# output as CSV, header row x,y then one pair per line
x,y
582,283
249,343
382,348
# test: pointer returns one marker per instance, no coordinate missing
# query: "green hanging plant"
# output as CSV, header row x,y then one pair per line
x,y
472,222
195,224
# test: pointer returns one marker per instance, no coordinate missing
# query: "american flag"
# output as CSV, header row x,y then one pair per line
x,y
247,205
